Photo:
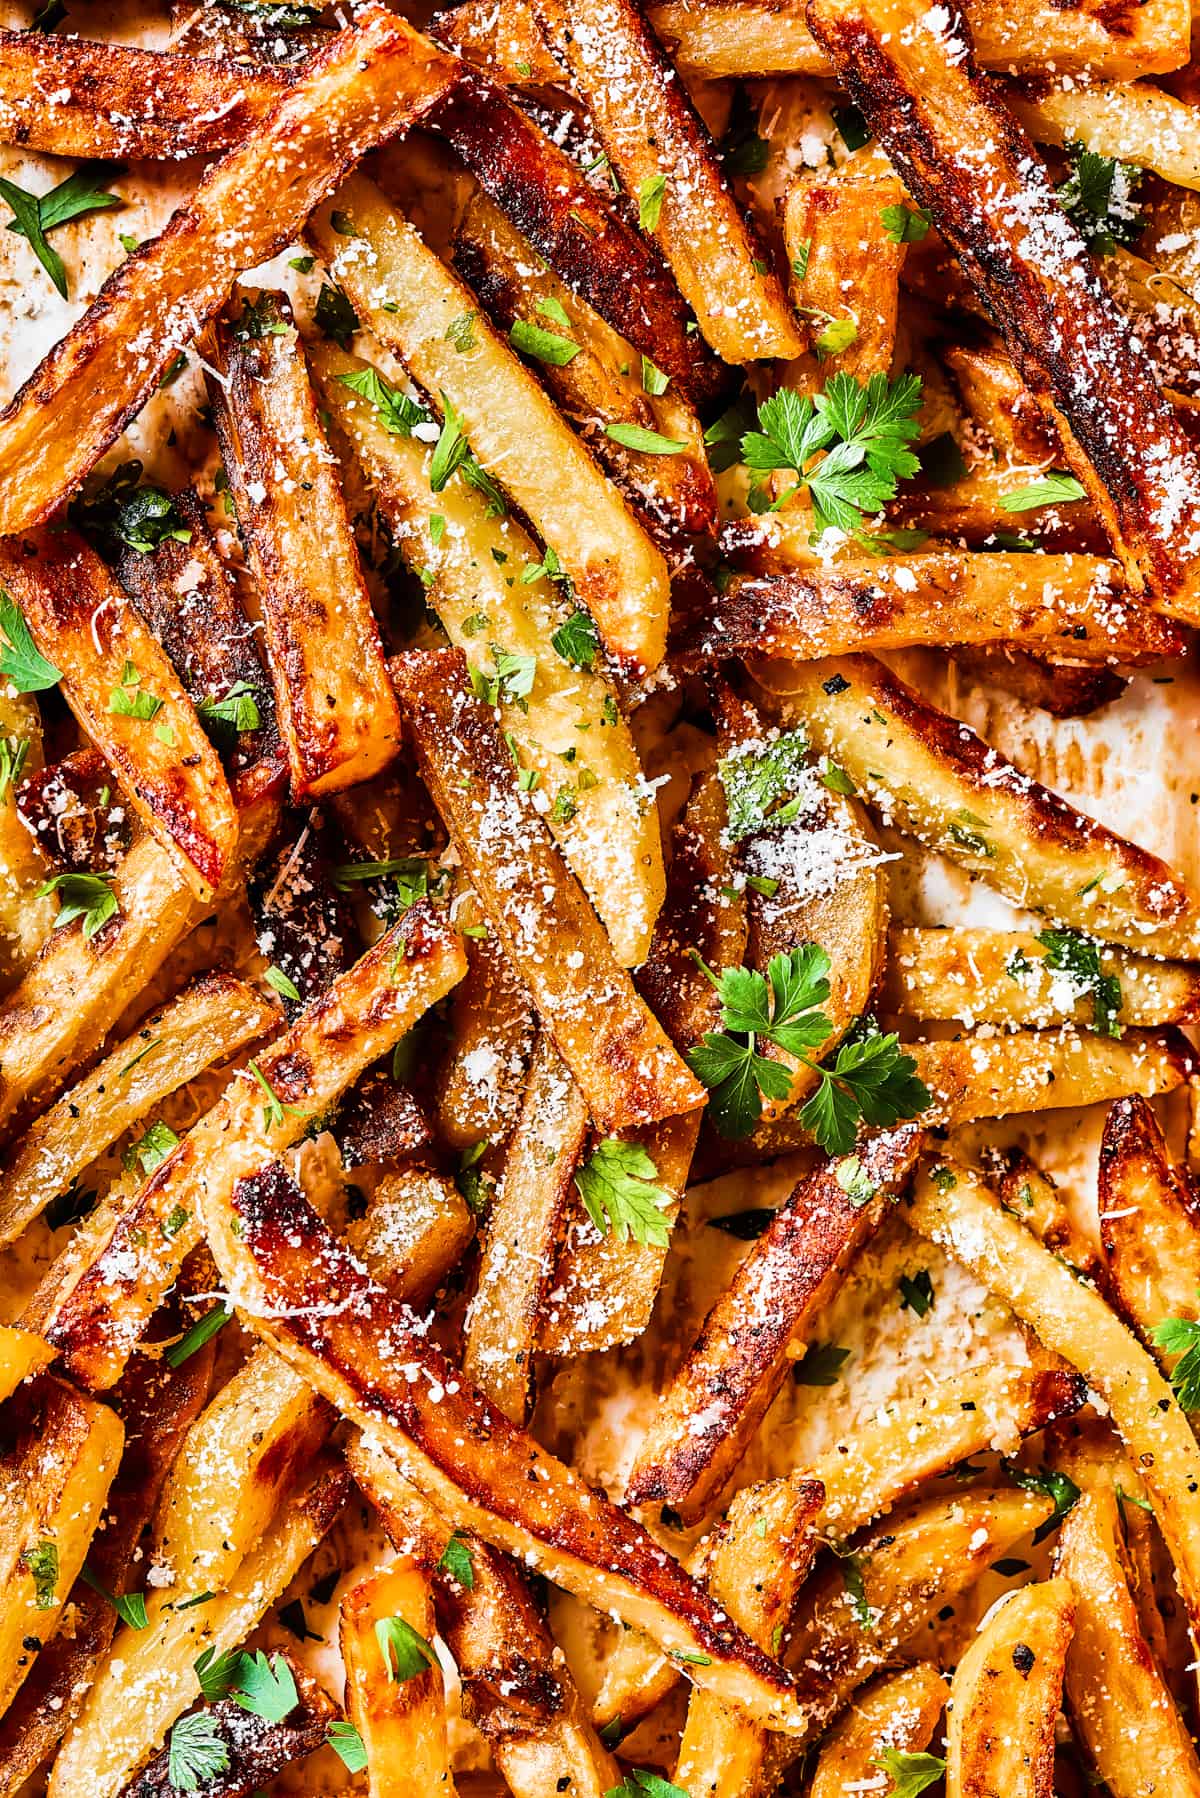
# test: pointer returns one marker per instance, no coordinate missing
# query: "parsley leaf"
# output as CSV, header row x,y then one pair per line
x,y
21,662
640,1783
1079,957
649,443
224,719
405,1653
456,1561
86,896
123,511
910,1773
283,984
274,1111
151,1149
1055,489
651,194
544,346
756,777
916,1292
903,225
217,1674
129,1606
197,1753
1055,1485
266,1688
577,641
821,1364
347,1744
13,754
396,412
335,317
34,215
41,1564
617,1184
1099,197
1181,1336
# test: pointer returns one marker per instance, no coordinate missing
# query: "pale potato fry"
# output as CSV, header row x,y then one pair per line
x,y
523,1229
897,1710
833,228
208,1022
127,697
1005,1697
1149,1224
616,1051
417,1226
1002,977
617,66
564,720
411,301
61,1453
401,1718
971,1225
149,1677
1131,122
333,700
460,1452
1121,1708
95,1304
935,778
726,1383
22,1354
366,84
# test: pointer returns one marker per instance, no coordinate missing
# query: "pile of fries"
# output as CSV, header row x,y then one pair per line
x,y
523,1265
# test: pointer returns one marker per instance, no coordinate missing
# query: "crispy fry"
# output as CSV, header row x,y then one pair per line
x,y
1035,1199
401,1719
412,302
897,1710
1132,122
615,1049
491,1033
1064,689
417,1226
833,228
1149,1223
25,920
1005,1697
365,85
1002,407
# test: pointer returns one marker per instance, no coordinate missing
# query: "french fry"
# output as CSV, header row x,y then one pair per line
x,y
212,1019
303,917
614,1048
1072,346
407,297
401,1719
833,228
971,512
127,696
618,67
1120,1705
60,1456
600,383
94,1306
523,1230
334,703
1129,121
460,1452
564,719
365,85
1149,1224
741,1356
1035,1199
417,1226
1002,407
491,1032
25,919
22,1354
1064,689
506,41
149,1679
897,1710
1006,1693
1075,1323
936,779
65,96
1002,977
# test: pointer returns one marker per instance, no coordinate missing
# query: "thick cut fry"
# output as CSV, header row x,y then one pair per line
x,y
1005,1697
1076,1323
585,239
615,1049
416,1228
564,720
150,1677
401,1717
1002,977
491,1033
1067,605
964,157
936,779
1002,407
22,1354
210,1021
414,306
833,228
95,1305
740,1358
1121,1707
61,1454
1131,122
68,97
334,703
127,697
664,157
1149,1224
523,1229
484,1475
364,86
25,919
898,1711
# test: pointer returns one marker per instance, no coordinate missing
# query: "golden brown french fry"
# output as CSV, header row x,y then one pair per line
x,y
127,697
61,1452
365,85
66,96
897,1711
416,308
618,67
333,700
1128,121
523,1229
400,1715
1035,1199
971,512
563,718
1005,1697
936,779
25,919
1075,1322
737,1363
416,1227
1121,1708
1149,1224
490,1032
22,1354
483,1474
1002,407
149,1678
1064,689
209,1021
615,1049
1072,345
833,228
95,1304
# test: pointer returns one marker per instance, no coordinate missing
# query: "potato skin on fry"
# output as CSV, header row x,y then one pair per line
x,y
1005,1697
1149,1223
